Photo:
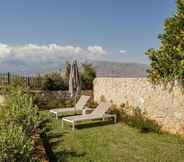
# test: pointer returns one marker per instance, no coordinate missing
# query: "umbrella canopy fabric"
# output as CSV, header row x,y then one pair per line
x,y
74,80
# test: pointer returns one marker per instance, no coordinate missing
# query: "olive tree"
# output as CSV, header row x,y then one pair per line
x,y
167,62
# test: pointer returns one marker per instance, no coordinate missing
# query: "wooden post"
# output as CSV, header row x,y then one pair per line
x,y
28,81
9,76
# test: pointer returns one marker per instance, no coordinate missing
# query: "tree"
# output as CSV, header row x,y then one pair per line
x,y
54,82
167,62
87,76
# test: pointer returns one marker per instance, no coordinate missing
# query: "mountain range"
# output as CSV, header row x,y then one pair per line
x,y
103,69
114,69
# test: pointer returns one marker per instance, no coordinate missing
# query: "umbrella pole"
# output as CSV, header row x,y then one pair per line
x,y
75,99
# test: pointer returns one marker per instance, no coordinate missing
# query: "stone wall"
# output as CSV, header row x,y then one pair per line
x,y
166,108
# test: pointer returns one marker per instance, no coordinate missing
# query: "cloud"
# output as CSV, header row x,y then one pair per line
x,y
50,49
4,50
96,49
123,51
47,56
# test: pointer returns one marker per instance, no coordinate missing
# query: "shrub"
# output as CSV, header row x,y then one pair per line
x,y
40,101
92,104
45,103
18,118
55,103
68,103
19,109
54,82
15,145
136,118
87,76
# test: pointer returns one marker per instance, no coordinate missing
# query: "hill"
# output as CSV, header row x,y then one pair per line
x,y
114,69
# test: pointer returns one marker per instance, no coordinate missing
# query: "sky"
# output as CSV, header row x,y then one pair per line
x,y
42,34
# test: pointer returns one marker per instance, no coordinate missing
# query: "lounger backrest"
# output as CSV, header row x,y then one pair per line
x,y
81,102
102,108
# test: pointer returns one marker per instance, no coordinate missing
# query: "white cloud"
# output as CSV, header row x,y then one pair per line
x,y
123,51
49,55
50,50
4,50
46,49
96,50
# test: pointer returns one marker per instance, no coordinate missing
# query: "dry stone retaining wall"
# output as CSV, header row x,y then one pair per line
x,y
166,108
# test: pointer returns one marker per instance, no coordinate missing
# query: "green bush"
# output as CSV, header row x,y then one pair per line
x,y
15,145
45,103
69,103
18,118
19,109
136,119
92,104
56,103
54,82
87,76
40,101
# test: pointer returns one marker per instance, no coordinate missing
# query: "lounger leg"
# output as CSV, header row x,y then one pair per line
x,y
115,119
73,125
56,115
62,124
103,119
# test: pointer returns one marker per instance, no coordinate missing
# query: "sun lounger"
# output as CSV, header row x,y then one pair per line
x,y
99,113
78,107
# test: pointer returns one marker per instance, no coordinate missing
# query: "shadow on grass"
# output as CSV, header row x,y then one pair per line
x,y
62,156
65,115
52,140
44,123
94,124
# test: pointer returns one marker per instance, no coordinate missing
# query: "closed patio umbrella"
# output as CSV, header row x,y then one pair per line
x,y
74,80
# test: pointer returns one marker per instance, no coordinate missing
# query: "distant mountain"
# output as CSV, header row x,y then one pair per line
x,y
103,68
114,69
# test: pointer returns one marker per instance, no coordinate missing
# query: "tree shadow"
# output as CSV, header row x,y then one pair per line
x,y
62,156
65,115
44,123
52,140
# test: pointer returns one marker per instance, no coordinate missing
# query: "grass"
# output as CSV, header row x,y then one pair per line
x,y
107,142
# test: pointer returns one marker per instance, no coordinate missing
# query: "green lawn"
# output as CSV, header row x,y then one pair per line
x,y
107,142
